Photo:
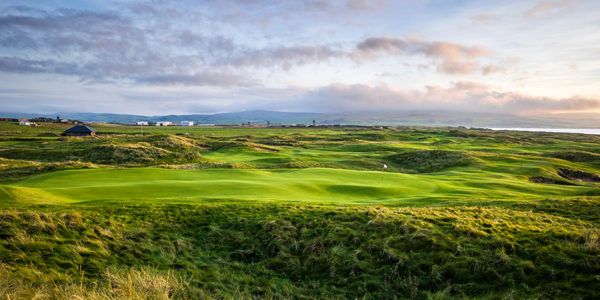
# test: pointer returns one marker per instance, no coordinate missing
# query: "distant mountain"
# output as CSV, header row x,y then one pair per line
x,y
410,118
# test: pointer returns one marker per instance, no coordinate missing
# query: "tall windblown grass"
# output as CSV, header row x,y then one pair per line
x,y
133,283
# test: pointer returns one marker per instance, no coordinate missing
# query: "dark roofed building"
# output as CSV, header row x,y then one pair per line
x,y
79,130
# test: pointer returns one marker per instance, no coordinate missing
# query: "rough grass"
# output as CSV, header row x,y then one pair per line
x,y
579,175
15,169
144,283
575,156
124,153
238,250
429,160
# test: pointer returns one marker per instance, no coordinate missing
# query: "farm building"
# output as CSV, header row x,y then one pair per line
x,y
142,123
164,123
187,123
79,130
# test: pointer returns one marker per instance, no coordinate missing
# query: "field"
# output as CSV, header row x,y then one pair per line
x,y
298,213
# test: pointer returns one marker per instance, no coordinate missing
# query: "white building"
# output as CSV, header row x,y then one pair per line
x,y
26,123
142,123
164,123
187,123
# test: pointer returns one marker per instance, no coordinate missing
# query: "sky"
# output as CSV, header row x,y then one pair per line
x,y
187,57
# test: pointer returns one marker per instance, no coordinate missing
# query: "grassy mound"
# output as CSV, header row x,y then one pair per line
x,y
125,153
280,251
15,169
424,161
143,153
578,175
174,142
575,156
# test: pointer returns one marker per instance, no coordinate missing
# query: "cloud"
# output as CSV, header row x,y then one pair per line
x,y
366,5
141,45
459,96
113,46
488,69
286,57
465,96
108,46
545,7
24,66
449,58
198,79
484,18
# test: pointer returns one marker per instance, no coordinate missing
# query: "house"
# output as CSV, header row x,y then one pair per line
x,y
79,130
187,123
142,123
164,123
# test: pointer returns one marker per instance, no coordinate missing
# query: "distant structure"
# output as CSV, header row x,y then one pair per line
x,y
41,120
205,125
142,123
79,130
26,122
9,119
164,123
187,123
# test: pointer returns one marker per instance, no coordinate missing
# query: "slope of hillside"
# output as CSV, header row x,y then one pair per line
x,y
255,213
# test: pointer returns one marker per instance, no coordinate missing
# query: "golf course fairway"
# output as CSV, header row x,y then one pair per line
x,y
332,186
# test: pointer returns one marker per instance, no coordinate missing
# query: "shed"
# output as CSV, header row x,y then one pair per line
x,y
79,130
163,123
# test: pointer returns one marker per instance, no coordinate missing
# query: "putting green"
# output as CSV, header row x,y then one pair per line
x,y
306,185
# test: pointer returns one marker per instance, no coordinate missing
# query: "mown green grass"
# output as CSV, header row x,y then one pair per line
x,y
298,213
334,186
